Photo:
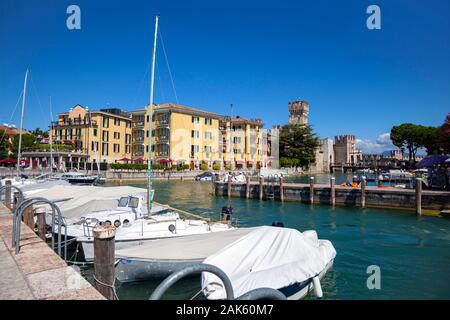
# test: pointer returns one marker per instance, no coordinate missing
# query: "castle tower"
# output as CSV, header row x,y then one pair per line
x,y
298,112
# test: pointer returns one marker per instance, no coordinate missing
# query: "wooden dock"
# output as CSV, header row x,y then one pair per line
x,y
36,272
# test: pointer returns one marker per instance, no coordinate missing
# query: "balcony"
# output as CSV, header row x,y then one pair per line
x,y
162,123
74,122
162,139
138,140
138,124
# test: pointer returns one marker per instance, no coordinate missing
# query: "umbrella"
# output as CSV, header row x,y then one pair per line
x,y
432,160
8,161
124,159
164,160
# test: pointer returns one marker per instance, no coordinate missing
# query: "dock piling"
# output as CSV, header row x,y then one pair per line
x,y
333,190
419,196
104,247
28,217
247,187
15,200
41,224
229,186
363,192
281,189
8,194
311,190
261,187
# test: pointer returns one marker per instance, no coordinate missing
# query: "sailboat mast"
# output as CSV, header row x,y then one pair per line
x,y
231,138
149,152
21,123
50,137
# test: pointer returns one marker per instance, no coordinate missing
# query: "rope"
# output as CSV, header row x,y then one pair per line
x,y
167,62
12,115
109,286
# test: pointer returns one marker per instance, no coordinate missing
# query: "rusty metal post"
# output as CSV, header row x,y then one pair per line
x,y
311,190
8,194
281,189
247,187
28,217
104,247
419,196
363,192
333,190
261,187
41,223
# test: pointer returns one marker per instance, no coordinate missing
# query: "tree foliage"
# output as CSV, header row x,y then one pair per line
x,y
28,141
298,145
5,145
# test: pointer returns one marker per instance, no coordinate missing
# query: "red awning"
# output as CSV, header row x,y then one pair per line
x,y
164,160
8,161
68,142
124,159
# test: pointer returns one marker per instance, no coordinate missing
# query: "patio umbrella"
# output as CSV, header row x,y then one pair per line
x,y
124,159
164,160
432,160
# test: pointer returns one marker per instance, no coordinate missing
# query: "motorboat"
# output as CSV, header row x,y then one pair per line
x,y
134,226
238,177
160,258
285,259
79,178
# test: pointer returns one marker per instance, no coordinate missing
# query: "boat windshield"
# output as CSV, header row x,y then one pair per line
x,y
134,202
123,201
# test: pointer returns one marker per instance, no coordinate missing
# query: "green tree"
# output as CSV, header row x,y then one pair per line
x,y
28,141
408,136
298,145
444,136
4,145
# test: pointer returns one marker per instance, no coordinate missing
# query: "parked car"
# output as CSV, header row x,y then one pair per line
x,y
205,176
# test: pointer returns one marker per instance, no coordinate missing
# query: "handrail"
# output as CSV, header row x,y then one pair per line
x,y
18,189
174,277
18,213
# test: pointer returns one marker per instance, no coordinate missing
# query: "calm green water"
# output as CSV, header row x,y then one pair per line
x,y
412,252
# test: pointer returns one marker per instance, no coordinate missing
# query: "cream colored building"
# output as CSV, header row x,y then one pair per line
x,y
242,142
95,136
181,135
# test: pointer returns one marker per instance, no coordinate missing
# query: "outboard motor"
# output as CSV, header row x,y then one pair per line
x,y
226,213
278,224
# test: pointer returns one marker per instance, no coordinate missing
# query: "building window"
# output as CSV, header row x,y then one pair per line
x,y
116,121
116,135
195,119
208,149
128,124
105,135
127,138
105,122
208,135
195,134
127,149
208,121
104,149
194,149
95,132
148,118
237,140
116,148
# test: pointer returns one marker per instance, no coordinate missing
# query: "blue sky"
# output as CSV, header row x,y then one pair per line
x,y
258,55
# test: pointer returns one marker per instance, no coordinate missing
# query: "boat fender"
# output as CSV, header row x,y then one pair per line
x,y
317,287
171,228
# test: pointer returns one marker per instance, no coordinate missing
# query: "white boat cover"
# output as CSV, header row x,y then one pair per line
x,y
75,201
268,257
193,247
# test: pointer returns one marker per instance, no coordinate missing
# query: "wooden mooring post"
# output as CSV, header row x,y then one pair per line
x,y
247,187
419,196
41,223
311,190
104,243
363,192
15,200
261,187
28,217
333,191
7,200
281,190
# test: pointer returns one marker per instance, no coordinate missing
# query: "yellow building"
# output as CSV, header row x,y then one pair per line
x,y
181,135
242,142
95,136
